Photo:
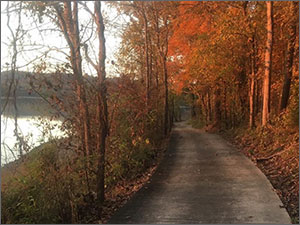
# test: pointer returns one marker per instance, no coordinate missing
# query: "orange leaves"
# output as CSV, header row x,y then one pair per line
x,y
190,31
187,26
208,40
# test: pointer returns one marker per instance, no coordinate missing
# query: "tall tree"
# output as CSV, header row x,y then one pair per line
x,y
153,21
252,83
102,104
288,62
140,9
268,65
253,67
68,23
163,51
16,39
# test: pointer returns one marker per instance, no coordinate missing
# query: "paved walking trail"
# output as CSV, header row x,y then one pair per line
x,y
203,179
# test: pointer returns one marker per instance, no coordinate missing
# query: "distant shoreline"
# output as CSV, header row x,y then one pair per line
x,y
27,106
23,97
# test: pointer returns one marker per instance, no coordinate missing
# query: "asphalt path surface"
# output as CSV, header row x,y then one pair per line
x,y
203,179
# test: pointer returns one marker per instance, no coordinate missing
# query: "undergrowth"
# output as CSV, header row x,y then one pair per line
x,y
46,187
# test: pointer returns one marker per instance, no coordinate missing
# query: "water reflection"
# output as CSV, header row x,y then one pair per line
x,y
27,106
31,112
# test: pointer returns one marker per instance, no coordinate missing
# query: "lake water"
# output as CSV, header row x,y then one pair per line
x,y
31,112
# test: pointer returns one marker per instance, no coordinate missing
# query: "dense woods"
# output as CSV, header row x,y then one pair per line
x,y
229,69
235,63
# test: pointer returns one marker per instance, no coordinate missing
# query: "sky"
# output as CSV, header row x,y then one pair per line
x,y
112,35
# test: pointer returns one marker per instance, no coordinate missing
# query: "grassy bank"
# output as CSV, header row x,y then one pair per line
x,y
26,188
48,185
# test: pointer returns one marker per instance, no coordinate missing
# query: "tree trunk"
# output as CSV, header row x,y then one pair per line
x,y
288,64
172,112
225,104
257,96
156,73
268,65
81,90
209,107
166,92
205,108
102,105
68,22
162,48
157,31
251,100
252,86
217,106
146,43
150,65
193,113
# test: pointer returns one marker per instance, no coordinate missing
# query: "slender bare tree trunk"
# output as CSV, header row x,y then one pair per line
x,y
205,107
150,66
13,86
101,106
140,9
268,65
251,96
172,112
252,85
290,57
253,71
156,73
68,22
217,106
166,91
81,89
257,96
162,46
193,113
157,31
146,43
225,104
209,107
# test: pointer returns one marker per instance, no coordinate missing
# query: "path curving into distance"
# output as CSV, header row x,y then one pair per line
x,y
203,179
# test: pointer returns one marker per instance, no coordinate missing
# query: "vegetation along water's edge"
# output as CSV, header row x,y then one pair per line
x,y
28,197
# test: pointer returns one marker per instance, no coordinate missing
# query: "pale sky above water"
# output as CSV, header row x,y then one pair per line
x,y
52,39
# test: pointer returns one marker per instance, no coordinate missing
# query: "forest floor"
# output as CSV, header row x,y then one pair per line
x,y
121,193
203,179
275,150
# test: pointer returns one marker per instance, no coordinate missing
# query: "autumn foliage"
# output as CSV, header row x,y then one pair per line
x,y
218,57
210,55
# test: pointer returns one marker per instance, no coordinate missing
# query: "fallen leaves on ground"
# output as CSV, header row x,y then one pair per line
x,y
119,195
281,164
